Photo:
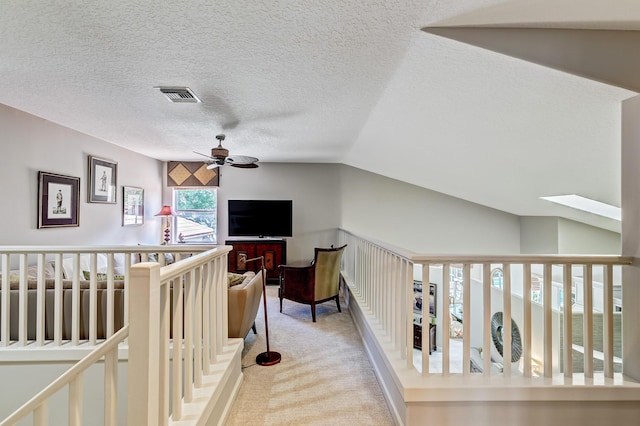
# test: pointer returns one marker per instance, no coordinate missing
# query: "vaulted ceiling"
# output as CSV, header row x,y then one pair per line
x,y
495,102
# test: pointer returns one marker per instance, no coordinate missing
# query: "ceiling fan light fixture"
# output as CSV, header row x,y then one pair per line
x,y
219,153
220,157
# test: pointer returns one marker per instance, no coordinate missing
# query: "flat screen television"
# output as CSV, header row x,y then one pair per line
x,y
260,218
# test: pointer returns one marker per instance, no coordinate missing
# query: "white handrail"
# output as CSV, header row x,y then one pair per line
x,y
150,344
67,378
363,270
64,316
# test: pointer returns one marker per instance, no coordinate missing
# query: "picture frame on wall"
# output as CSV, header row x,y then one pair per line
x,y
132,206
103,175
432,299
58,200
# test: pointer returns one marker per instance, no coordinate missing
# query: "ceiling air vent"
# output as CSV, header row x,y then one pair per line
x,y
180,95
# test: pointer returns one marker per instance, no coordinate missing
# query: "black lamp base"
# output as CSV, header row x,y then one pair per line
x,y
268,358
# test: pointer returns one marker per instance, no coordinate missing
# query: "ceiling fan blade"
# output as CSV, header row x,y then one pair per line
x,y
213,166
241,159
204,155
245,166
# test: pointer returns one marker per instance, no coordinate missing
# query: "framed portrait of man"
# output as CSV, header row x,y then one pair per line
x,y
58,200
102,180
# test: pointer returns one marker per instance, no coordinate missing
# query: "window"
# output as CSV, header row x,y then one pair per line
x,y
197,215
497,276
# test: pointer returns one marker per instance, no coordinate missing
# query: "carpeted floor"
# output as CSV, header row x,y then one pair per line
x,y
324,378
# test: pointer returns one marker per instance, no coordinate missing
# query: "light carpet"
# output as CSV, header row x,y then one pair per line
x,y
324,378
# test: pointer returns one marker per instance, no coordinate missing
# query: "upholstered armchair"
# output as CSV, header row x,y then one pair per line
x,y
314,283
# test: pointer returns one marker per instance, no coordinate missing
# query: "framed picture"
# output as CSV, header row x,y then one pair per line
x,y
58,200
102,180
417,296
132,206
432,299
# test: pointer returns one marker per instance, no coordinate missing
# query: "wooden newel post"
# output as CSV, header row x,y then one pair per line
x,y
144,337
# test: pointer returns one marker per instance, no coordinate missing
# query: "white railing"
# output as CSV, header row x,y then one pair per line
x,y
381,278
191,294
38,406
167,382
46,299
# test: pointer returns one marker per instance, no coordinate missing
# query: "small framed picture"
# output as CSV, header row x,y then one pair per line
x,y
58,200
432,299
132,206
102,181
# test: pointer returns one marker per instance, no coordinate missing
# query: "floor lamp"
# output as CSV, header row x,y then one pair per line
x,y
265,358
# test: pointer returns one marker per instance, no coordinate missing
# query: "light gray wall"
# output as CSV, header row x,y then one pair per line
x,y
556,235
538,235
30,144
631,236
421,220
579,238
16,390
313,189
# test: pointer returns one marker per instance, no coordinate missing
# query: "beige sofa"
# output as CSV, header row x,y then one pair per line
x,y
244,302
67,294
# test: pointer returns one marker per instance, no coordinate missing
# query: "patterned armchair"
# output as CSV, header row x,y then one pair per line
x,y
315,283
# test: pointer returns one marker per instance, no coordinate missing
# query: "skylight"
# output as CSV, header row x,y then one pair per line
x,y
587,205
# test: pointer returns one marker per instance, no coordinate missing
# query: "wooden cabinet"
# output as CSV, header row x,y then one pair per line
x,y
417,337
273,250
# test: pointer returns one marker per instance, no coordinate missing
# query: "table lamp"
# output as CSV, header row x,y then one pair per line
x,y
166,212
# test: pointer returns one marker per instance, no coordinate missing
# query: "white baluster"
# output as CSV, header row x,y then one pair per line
x,y
548,325
23,301
93,299
178,327
75,401
40,304
486,319
607,335
111,388
588,321
506,320
466,320
6,310
567,348
75,300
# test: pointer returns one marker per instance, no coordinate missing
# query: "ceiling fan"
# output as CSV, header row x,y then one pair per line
x,y
220,156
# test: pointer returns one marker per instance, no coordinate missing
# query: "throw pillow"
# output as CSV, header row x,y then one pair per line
x,y
100,276
234,279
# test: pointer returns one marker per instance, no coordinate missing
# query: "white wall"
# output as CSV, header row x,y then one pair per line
x,y
579,238
313,189
631,236
421,220
30,144
15,391
556,235
538,235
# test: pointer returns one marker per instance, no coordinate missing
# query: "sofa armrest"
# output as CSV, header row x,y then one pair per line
x,y
244,301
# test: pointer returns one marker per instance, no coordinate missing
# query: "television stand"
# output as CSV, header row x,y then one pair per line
x,y
274,251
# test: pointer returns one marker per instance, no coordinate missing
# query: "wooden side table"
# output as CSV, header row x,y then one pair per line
x,y
417,337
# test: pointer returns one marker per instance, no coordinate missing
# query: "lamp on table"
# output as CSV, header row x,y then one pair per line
x,y
166,212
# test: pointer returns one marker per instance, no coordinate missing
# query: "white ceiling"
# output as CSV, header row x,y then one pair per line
x,y
333,81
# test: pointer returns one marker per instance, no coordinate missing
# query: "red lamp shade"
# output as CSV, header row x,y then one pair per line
x,y
166,211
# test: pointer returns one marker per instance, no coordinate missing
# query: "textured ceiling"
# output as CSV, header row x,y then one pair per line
x,y
333,81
